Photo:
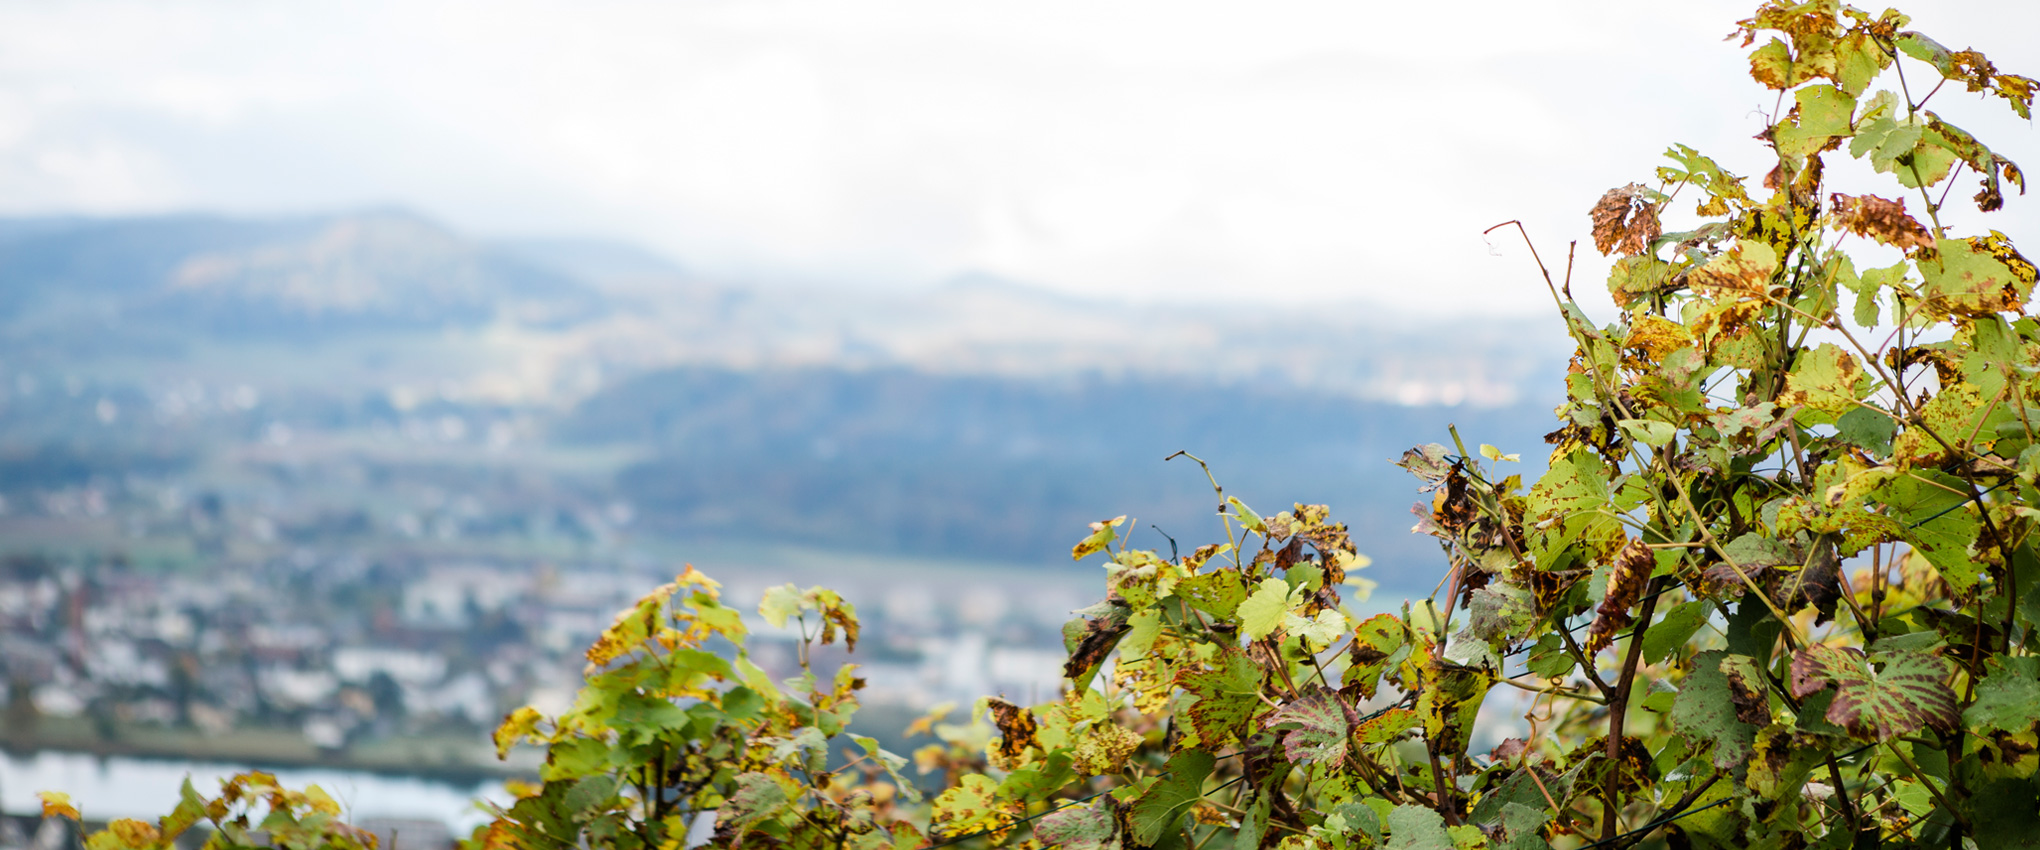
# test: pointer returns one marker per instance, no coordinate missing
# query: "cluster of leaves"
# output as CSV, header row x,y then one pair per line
x,y
251,811
672,734
1776,588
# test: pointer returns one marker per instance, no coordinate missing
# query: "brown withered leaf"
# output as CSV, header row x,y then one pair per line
x,y
1100,637
1016,729
1880,219
1817,583
1288,555
1625,222
1632,569
1452,507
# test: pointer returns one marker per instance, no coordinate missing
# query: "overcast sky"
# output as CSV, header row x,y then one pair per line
x,y
1140,150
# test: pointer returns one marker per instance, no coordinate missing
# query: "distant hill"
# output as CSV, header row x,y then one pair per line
x,y
271,277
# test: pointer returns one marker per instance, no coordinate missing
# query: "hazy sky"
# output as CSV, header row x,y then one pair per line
x,y
1141,149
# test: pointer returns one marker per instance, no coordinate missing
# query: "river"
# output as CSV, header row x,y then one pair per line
x,y
120,786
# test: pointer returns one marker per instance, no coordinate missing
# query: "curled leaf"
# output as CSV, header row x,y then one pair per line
x,y
1625,221
1879,219
517,726
1633,566
1103,533
57,804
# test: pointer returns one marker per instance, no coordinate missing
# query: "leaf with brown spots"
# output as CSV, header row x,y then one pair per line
x,y
1375,642
1016,730
1746,267
1966,279
1228,694
1879,219
1103,533
1748,689
1910,692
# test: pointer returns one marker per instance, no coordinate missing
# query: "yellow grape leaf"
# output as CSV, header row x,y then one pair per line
x,y
57,804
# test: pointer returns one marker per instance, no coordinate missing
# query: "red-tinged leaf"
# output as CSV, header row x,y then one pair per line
x,y
1322,728
1910,692
758,797
1081,827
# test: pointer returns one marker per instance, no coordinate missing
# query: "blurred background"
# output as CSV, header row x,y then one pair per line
x,y
359,361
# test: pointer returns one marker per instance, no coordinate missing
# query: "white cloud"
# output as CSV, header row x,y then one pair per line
x,y
1147,148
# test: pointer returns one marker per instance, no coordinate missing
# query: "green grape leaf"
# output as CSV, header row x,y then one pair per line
x,y
974,804
1413,827
1911,691
1826,378
1937,521
1549,658
590,792
758,796
892,764
1388,726
1669,634
1157,810
1317,633
1264,609
1704,712
1867,429
1823,113
1746,267
779,604
1927,50
1500,612
1649,432
2008,699
1040,779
